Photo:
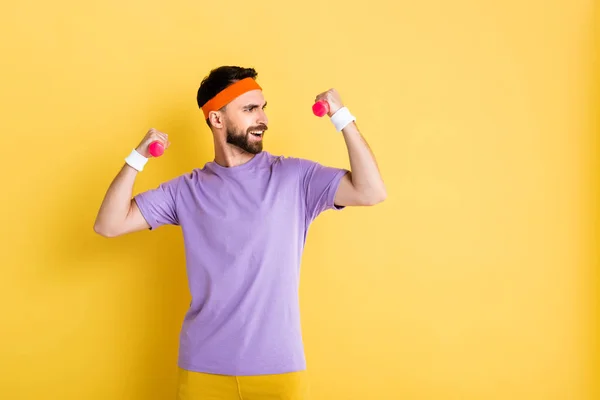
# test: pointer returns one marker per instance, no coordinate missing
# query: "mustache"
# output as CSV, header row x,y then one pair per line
x,y
261,127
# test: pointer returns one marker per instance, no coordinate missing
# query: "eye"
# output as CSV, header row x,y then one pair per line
x,y
252,108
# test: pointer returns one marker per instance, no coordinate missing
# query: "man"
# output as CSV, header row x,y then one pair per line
x,y
244,218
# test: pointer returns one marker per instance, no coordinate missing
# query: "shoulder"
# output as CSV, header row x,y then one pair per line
x,y
183,181
286,161
306,168
295,167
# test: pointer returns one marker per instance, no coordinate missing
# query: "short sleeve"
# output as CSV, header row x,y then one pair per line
x,y
319,185
158,205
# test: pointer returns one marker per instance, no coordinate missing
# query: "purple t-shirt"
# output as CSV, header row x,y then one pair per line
x,y
244,231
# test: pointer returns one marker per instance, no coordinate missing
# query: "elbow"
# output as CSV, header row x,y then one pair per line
x,y
104,231
378,199
375,197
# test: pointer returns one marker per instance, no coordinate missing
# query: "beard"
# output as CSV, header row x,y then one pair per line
x,y
245,140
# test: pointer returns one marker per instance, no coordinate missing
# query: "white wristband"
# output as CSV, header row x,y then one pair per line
x,y
136,160
341,118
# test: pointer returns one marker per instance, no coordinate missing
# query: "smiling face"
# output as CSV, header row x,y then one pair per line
x,y
246,121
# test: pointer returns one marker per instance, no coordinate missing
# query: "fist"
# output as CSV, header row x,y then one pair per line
x,y
151,136
332,97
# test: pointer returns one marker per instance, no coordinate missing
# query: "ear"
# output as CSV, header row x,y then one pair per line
x,y
216,119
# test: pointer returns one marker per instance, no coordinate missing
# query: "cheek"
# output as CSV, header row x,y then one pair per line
x,y
249,120
235,125
243,122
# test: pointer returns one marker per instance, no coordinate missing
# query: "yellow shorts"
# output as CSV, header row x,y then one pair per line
x,y
202,386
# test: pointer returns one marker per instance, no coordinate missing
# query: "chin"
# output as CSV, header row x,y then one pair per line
x,y
254,149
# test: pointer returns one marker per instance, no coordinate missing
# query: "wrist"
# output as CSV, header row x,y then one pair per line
x,y
143,151
136,160
341,118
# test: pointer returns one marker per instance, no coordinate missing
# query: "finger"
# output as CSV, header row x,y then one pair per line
x,y
155,137
161,137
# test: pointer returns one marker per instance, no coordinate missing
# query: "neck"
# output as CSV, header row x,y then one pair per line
x,y
228,155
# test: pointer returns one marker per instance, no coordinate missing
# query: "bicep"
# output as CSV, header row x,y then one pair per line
x,y
134,221
346,194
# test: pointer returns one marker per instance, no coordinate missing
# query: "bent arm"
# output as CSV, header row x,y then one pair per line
x,y
363,186
119,213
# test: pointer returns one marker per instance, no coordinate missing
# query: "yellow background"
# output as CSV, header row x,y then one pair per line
x,y
473,281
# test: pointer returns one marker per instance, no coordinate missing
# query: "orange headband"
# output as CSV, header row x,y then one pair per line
x,y
226,95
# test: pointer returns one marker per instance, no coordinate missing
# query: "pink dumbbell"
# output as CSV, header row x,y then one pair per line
x,y
156,149
320,108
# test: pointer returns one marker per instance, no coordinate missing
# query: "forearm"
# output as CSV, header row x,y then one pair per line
x,y
117,202
366,178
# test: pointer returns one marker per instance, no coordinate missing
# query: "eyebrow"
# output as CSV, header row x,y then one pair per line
x,y
248,106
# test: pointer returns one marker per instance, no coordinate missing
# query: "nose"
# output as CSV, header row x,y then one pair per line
x,y
262,118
